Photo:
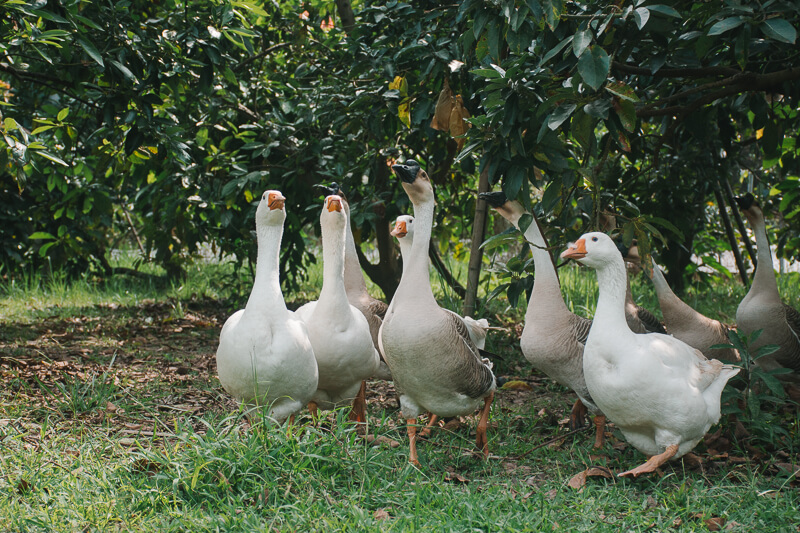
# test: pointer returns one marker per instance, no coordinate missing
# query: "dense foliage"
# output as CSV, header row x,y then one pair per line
x,y
164,120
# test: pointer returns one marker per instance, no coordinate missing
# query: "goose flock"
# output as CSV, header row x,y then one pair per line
x,y
660,384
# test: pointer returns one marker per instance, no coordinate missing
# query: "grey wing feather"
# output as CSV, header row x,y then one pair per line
x,y
651,323
793,319
378,308
476,377
581,327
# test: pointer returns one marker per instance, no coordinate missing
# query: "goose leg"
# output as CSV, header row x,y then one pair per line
x,y
481,442
577,415
411,427
600,426
313,408
432,418
358,413
289,424
652,463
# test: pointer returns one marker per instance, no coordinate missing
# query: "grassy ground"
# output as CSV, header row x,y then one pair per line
x,y
112,418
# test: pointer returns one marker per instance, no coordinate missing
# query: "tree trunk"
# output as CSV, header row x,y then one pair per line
x,y
386,272
476,252
723,211
346,15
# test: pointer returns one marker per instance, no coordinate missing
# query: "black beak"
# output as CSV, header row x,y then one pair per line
x,y
406,172
494,199
333,188
745,202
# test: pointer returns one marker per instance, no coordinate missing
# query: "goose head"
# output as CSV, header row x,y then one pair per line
x,y
333,213
333,188
416,182
271,210
509,210
404,227
594,250
750,208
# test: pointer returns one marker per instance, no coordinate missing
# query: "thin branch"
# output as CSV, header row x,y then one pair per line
x,y
37,78
702,72
259,56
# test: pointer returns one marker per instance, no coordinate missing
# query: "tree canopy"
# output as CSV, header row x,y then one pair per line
x,y
168,119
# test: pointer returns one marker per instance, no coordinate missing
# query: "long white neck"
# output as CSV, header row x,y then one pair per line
x,y
609,316
353,277
764,282
405,250
266,296
333,295
416,281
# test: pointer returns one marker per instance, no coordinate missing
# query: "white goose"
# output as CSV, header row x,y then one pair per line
x,y
662,393
686,324
338,331
356,287
404,232
553,337
264,356
762,307
434,363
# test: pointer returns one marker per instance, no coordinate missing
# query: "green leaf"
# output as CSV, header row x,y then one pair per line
x,y
593,66
41,235
725,25
561,114
780,30
664,10
63,114
10,124
581,41
91,51
618,88
552,12
555,50
123,69
641,15
626,112
51,157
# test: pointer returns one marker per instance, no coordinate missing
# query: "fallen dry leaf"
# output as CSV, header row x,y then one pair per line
x,y
732,525
381,514
714,523
455,477
578,480
516,385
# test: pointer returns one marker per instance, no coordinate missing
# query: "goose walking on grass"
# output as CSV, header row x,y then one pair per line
x,y
356,286
663,394
434,362
686,324
339,332
553,337
404,233
762,308
264,356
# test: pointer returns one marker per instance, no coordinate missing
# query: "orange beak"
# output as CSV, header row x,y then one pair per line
x,y
399,230
334,204
576,251
275,201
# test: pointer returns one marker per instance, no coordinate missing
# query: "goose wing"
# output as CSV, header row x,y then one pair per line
x,y
580,327
473,376
377,308
649,320
790,358
793,319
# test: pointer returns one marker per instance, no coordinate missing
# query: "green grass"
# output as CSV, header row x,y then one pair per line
x,y
112,419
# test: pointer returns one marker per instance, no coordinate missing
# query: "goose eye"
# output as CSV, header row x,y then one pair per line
x,y
594,239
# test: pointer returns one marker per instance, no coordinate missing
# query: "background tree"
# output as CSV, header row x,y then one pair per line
x,y
170,118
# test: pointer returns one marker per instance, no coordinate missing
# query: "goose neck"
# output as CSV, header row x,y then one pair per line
x,y
353,278
266,295
416,275
764,279
610,314
333,266
546,276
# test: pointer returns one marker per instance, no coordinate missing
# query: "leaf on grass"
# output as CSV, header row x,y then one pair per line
x,y
579,480
516,385
455,477
23,486
381,514
714,523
